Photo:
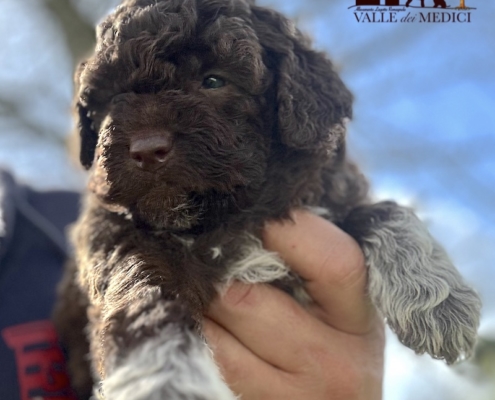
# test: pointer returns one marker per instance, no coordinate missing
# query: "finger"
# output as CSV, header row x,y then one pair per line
x,y
332,264
271,324
243,371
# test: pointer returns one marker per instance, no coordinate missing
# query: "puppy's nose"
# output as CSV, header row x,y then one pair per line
x,y
150,151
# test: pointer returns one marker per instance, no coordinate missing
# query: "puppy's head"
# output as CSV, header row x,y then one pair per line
x,y
186,105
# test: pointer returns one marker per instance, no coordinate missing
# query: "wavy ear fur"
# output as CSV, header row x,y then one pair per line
x,y
88,138
312,99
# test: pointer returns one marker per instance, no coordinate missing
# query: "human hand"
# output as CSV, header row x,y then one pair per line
x,y
269,347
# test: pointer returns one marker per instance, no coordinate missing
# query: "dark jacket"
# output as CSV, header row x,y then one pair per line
x,y
32,253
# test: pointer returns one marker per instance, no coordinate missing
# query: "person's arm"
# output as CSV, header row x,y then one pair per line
x,y
269,347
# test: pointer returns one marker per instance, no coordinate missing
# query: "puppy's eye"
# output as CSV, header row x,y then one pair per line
x,y
213,82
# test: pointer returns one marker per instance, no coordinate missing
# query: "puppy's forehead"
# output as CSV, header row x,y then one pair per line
x,y
184,20
169,40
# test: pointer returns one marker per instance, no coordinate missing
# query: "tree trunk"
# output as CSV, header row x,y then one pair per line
x,y
462,5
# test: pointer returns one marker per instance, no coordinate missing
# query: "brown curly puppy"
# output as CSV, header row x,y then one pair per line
x,y
204,119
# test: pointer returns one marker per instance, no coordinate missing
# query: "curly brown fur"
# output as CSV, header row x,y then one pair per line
x,y
155,241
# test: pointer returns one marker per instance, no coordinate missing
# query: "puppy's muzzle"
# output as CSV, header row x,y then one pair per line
x,y
150,151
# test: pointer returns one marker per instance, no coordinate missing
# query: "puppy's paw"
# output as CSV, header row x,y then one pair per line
x,y
446,330
414,284
176,365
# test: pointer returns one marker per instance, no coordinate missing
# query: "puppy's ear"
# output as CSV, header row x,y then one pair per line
x,y
313,102
88,138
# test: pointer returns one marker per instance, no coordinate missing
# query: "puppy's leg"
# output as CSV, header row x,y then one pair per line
x,y
414,284
175,364
144,343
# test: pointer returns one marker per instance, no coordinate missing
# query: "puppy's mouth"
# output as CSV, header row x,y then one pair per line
x,y
170,201
194,213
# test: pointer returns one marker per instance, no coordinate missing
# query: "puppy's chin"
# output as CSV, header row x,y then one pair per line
x,y
159,211
168,209
160,205
193,213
